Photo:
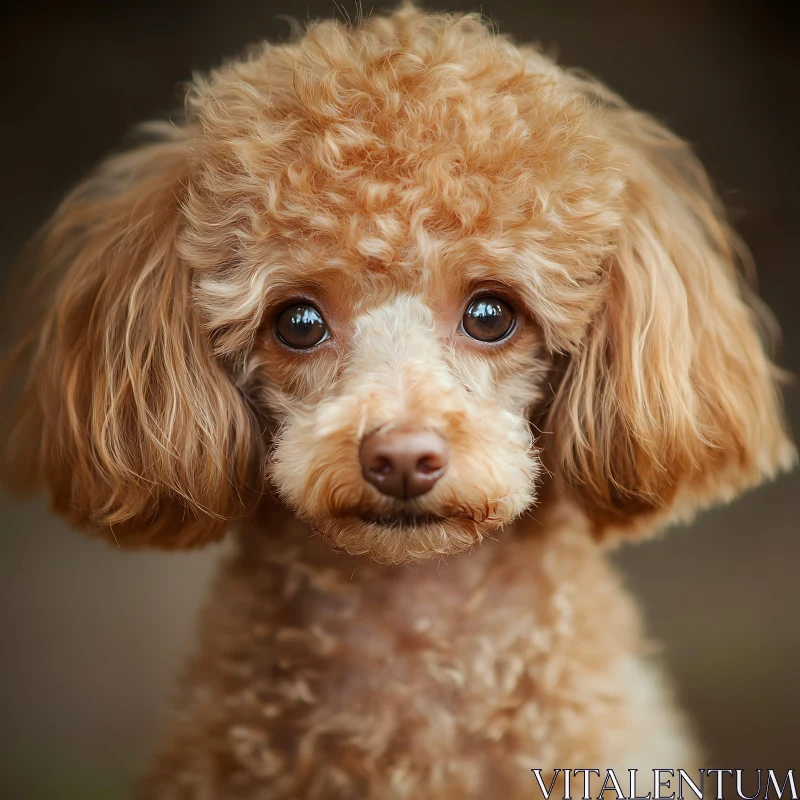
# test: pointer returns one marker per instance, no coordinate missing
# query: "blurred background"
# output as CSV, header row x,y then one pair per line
x,y
91,638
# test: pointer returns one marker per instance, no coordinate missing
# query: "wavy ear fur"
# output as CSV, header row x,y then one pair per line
x,y
671,403
124,415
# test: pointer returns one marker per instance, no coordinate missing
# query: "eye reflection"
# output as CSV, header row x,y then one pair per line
x,y
301,326
488,319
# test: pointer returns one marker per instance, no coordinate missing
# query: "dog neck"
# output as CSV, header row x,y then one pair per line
x,y
279,541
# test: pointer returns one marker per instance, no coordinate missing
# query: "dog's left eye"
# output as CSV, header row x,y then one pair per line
x,y
488,319
301,326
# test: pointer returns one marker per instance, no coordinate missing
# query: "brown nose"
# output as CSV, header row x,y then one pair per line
x,y
403,463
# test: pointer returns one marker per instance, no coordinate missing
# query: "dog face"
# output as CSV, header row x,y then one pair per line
x,y
356,405
368,261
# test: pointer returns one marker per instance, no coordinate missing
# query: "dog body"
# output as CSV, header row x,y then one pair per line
x,y
323,676
384,291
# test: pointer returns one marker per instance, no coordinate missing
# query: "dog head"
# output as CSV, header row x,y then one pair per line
x,y
386,270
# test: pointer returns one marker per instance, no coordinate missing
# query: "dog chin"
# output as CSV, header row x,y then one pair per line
x,y
404,539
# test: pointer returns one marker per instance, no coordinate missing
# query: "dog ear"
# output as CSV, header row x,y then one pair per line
x,y
671,403
124,415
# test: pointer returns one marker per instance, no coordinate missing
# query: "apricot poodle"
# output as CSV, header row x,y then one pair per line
x,y
461,314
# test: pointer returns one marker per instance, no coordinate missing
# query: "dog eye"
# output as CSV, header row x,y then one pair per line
x,y
301,326
488,319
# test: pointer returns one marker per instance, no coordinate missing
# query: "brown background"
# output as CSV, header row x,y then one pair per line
x,y
91,637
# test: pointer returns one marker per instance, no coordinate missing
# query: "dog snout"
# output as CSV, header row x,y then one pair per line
x,y
403,463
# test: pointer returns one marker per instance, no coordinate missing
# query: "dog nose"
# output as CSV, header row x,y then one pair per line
x,y
403,463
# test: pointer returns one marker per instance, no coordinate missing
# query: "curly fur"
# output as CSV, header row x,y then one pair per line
x,y
386,171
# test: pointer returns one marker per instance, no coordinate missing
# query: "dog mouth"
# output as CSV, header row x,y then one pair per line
x,y
403,520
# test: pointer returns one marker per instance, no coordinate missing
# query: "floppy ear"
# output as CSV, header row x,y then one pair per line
x,y
670,404
124,415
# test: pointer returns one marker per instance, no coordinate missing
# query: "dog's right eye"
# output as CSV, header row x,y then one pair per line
x,y
301,326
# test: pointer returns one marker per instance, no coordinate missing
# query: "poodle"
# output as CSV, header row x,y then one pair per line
x,y
424,322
